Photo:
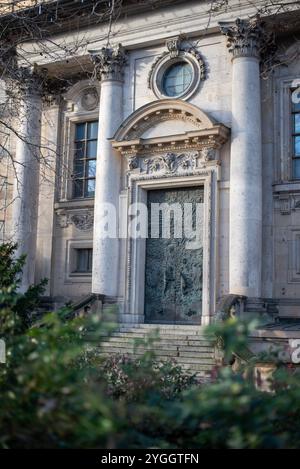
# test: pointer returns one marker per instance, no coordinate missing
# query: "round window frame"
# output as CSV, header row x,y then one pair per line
x,y
163,64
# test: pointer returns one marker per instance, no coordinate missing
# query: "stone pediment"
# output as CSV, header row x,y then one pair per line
x,y
167,125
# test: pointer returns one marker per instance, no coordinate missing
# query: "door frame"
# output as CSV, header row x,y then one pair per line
x,y
138,186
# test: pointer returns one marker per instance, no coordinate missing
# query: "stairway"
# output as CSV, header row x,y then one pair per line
x,y
187,345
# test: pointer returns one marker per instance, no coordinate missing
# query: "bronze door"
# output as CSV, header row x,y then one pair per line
x,y
173,273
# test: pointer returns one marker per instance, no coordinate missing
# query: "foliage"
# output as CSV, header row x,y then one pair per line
x,y
57,392
25,305
136,380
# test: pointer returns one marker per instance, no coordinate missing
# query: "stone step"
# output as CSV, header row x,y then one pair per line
x,y
172,348
207,356
187,345
193,363
160,341
161,330
160,335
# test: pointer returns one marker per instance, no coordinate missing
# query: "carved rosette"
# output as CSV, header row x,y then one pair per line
x,y
244,37
83,220
109,63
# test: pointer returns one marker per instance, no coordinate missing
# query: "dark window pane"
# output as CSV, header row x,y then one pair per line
x,y
91,150
81,260
91,169
297,146
79,150
297,123
78,169
92,130
80,131
89,188
84,170
90,260
84,258
78,188
296,169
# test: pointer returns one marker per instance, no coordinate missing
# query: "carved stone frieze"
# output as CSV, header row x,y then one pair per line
x,y
168,160
109,62
171,162
83,219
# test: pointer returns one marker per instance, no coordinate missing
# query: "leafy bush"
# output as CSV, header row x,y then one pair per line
x,y
138,379
56,392
25,306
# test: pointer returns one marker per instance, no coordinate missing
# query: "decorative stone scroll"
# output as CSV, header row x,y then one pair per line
x,y
109,62
83,220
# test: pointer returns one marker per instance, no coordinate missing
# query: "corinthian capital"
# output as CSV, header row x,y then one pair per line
x,y
109,62
25,81
244,37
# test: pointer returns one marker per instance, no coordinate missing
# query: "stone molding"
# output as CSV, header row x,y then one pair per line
x,y
204,177
159,111
244,37
109,62
83,220
195,140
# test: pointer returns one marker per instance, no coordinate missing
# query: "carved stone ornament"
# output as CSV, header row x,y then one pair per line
x,y
208,154
83,220
171,162
174,45
133,162
109,62
244,37
89,99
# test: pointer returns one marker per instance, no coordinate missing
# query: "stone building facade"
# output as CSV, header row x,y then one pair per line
x,y
178,107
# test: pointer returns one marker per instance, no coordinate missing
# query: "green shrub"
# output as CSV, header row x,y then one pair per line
x,y
57,392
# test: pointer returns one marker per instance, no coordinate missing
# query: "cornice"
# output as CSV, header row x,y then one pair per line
x,y
213,137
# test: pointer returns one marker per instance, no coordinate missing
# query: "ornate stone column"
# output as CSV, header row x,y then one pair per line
x,y
27,160
244,40
109,63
